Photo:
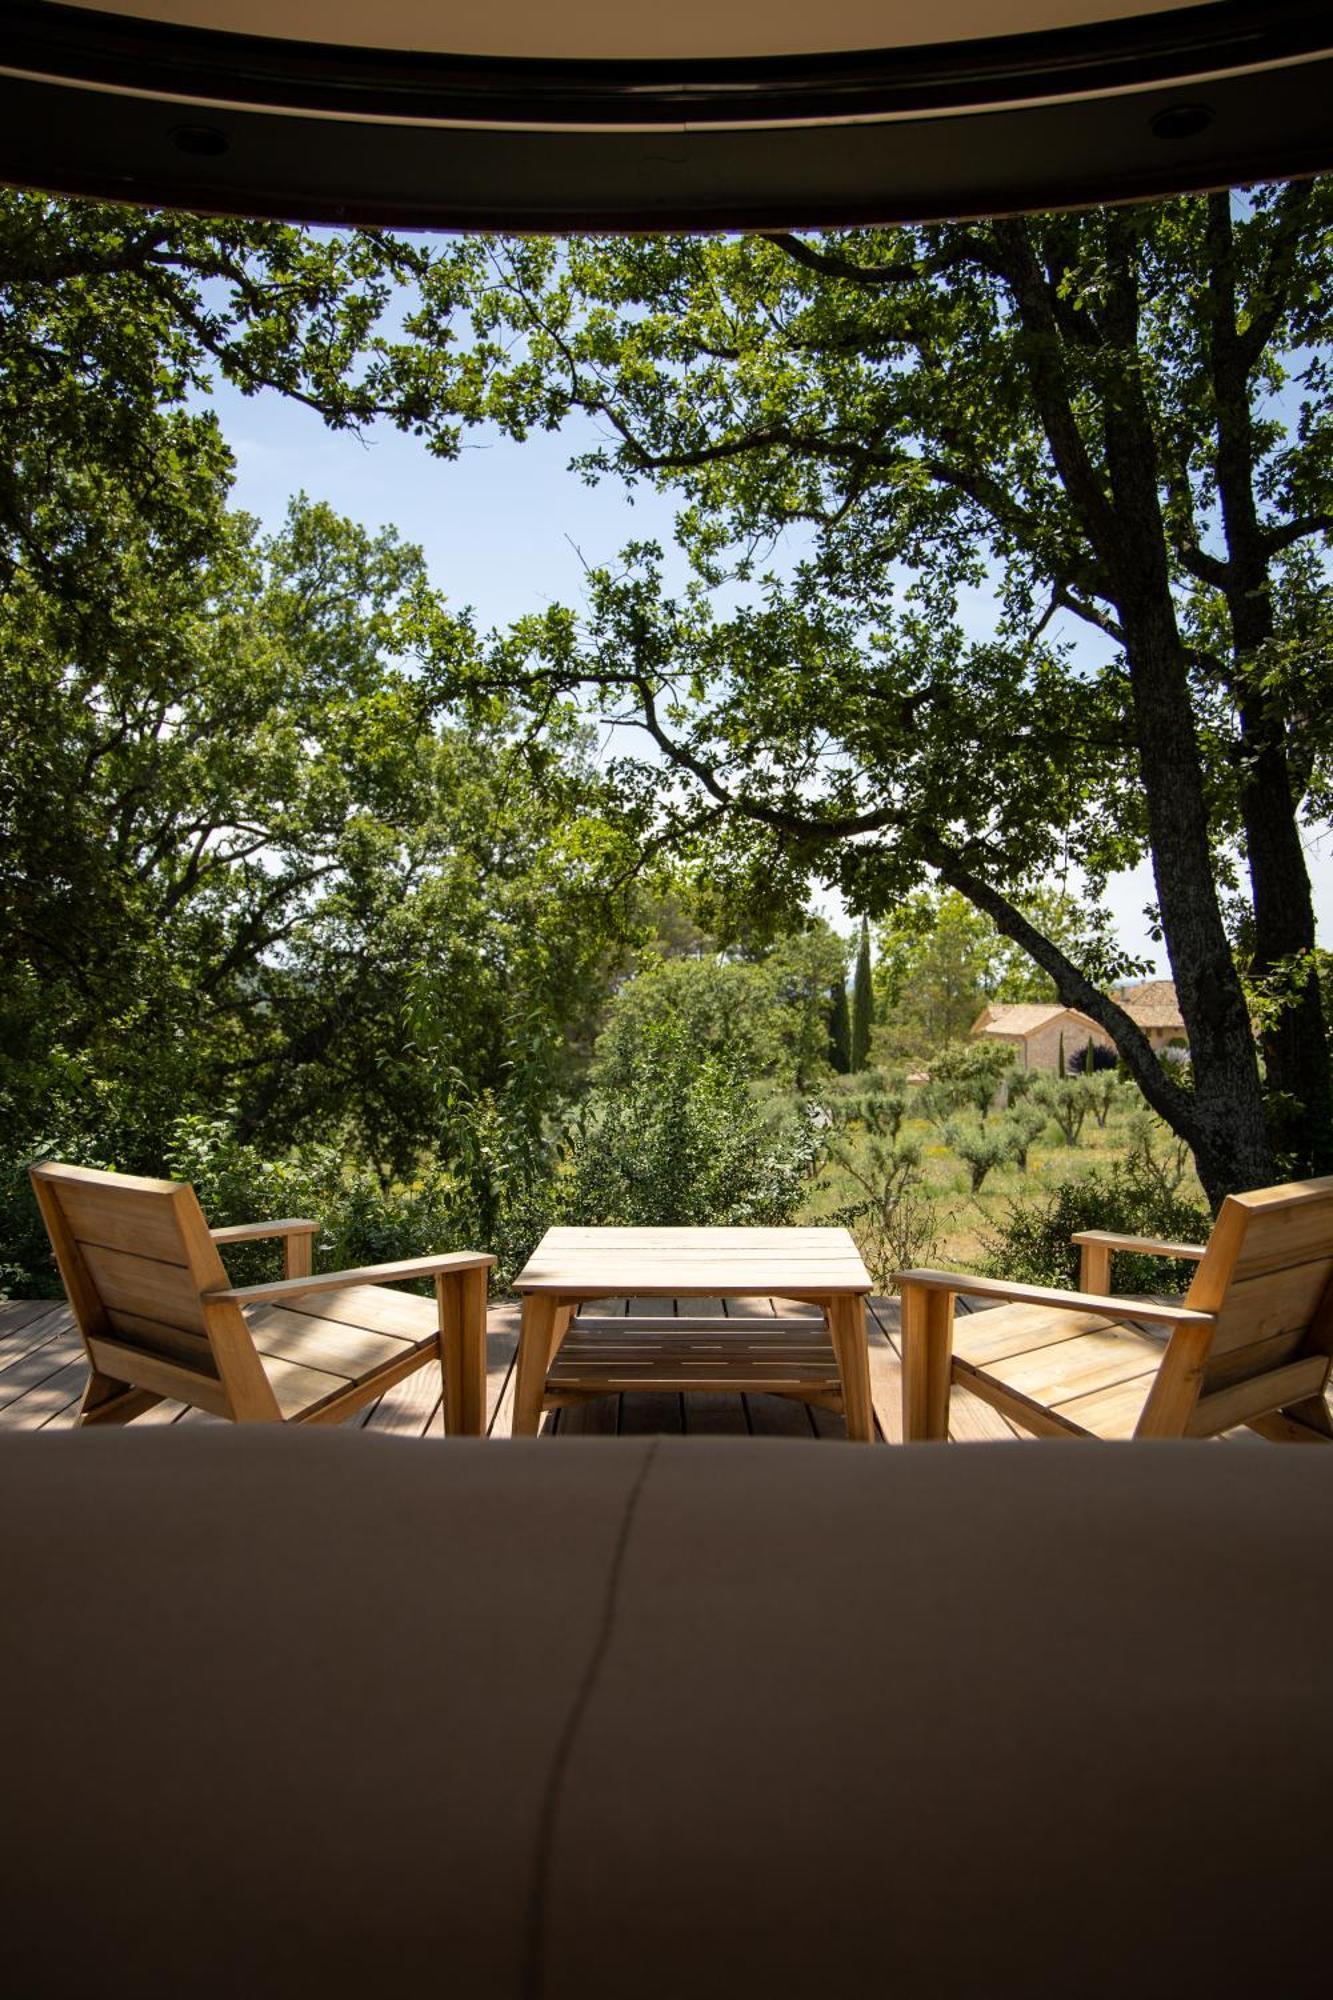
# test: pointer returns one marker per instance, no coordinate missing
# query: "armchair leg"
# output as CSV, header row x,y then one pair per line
x,y
107,1401
1306,1422
461,1299
927,1362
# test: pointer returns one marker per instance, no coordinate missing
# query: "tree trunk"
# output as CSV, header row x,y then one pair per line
x,y
1295,1041
1118,503
1232,1148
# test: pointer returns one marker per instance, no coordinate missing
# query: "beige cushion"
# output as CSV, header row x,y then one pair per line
x,y
317,1712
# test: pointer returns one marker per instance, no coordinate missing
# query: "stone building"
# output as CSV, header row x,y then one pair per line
x,y
1036,1031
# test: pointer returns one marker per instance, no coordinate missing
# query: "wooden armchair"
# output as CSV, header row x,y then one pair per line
x,y
159,1319
1252,1342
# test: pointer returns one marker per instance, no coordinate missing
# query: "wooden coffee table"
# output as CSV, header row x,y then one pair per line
x,y
562,1359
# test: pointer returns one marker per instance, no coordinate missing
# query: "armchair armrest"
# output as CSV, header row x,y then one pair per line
x,y
282,1289
1045,1295
1096,1245
298,1241
255,1232
1147,1246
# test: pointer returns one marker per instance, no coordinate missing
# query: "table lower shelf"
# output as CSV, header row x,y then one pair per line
x,y
792,1357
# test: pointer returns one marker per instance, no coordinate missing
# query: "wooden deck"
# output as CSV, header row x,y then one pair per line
x,y
42,1373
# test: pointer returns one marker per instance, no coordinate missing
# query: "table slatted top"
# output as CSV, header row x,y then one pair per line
x,y
694,1263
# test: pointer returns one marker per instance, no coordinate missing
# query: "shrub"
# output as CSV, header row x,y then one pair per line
x,y
362,1219
880,1108
680,1141
965,1076
731,1008
27,1268
894,1222
1017,1083
981,1151
1104,1091
1024,1124
1064,1099
1091,1058
1134,1195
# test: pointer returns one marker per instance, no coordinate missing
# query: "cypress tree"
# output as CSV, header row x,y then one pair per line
x,y
863,1002
840,1028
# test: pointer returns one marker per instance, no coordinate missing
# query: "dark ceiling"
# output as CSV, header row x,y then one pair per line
x,y
99,101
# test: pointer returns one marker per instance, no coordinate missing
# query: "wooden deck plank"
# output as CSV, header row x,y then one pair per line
x,y
41,1365
15,1313
34,1337
712,1413
58,1389
598,1417
166,1412
651,1413
26,1325
502,1323
407,1408
779,1416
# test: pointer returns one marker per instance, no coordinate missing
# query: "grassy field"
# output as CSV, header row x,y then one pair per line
x,y
964,1221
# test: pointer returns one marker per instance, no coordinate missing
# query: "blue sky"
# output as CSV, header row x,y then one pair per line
x,y
501,525
506,529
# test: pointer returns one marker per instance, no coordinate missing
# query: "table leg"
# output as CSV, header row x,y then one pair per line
x,y
544,1323
847,1328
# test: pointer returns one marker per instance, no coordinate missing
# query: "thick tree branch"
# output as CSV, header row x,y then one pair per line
x,y
874,277
1274,540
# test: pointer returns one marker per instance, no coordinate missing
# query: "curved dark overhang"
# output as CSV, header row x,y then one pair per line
x,y
97,102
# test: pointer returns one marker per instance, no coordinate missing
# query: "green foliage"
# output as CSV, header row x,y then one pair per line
x,y
1104,1089
769,1015
893,1217
245,859
717,1006
965,1076
884,1108
840,1029
1023,1124
678,1139
804,965
1135,1196
1018,1084
1066,1100
248,856
965,1063
981,1150
362,1221
863,1003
